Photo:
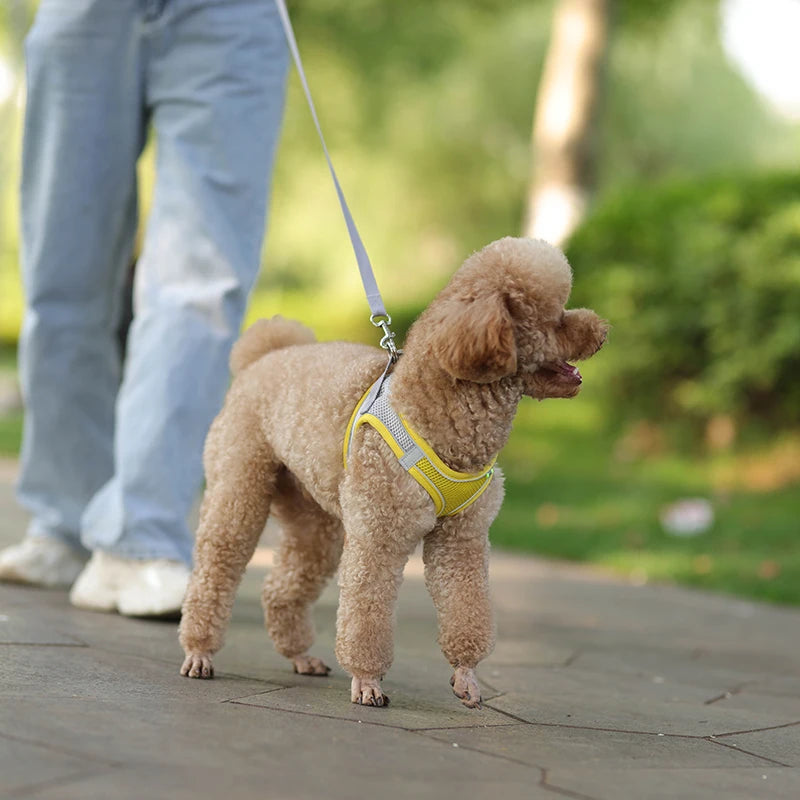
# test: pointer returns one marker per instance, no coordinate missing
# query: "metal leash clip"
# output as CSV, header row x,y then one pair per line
x,y
383,321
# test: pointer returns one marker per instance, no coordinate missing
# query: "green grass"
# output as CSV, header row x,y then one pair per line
x,y
569,496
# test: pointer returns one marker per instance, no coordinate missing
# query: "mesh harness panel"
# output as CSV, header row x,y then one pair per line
x,y
450,491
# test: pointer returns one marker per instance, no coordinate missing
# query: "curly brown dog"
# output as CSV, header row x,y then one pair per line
x,y
498,331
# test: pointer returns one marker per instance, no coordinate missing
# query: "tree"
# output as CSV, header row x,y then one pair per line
x,y
568,95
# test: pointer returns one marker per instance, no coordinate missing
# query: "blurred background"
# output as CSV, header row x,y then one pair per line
x,y
657,142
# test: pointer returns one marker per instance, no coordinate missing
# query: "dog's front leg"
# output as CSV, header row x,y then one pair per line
x,y
370,574
380,536
456,556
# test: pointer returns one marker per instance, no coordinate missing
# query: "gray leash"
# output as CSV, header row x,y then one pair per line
x,y
379,317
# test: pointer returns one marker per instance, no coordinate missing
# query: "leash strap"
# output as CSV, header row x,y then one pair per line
x,y
379,318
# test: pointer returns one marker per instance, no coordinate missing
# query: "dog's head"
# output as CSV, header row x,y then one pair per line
x,y
502,315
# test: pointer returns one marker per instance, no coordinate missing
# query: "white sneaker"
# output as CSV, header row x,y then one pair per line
x,y
41,561
96,586
156,589
135,588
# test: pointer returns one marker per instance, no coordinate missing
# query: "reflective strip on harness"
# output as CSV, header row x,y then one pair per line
x,y
450,491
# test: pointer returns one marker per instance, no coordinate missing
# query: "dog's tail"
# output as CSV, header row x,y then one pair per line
x,y
266,335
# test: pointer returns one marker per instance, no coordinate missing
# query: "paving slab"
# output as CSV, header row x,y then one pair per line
x,y
662,663
693,704
95,675
589,707
720,631
550,747
371,778
597,689
406,711
17,628
780,686
241,752
17,770
768,783
780,743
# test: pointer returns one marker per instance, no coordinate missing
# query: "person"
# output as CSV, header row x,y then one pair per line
x,y
111,457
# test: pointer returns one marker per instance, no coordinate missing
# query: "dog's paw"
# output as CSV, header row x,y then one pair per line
x,y
198,665
309,665
465,687
367,692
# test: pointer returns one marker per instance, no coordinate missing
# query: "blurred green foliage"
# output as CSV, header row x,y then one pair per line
x,y
427,107
701,280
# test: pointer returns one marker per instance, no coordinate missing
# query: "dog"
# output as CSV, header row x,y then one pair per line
x,y
297,438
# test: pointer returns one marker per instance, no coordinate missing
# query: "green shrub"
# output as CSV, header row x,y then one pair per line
x,y
701,282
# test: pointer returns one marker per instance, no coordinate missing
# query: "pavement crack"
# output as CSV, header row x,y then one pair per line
x,y
58,783
471,749
509,715
544,783
172,662
356,721
255,694
535,665
605,730
66,751
317,714
464,727
238,677
756,730
747,752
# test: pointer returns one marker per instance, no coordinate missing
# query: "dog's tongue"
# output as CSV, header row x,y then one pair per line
x,y
570,371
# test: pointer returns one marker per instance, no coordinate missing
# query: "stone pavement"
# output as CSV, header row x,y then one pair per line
x,y
597,689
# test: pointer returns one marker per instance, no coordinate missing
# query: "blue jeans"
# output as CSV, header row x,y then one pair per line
x,y
112,456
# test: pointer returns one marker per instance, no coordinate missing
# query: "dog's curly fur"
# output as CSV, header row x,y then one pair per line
x,y
498,331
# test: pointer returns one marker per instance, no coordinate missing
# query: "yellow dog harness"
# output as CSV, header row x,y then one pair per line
x,y
450,491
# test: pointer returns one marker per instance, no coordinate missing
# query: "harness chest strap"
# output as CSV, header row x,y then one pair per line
x,y
450,491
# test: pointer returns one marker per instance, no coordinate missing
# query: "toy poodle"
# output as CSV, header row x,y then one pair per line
x,y
357,478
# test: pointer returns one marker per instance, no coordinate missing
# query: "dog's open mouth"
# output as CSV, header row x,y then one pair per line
x,y
563,371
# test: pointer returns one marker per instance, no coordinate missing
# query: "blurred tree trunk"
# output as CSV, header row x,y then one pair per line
x,y
569,90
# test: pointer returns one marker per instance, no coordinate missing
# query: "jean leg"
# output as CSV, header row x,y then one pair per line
x,y
83,133
216,78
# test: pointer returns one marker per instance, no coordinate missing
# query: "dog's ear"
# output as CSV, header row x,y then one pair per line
x,y
475,339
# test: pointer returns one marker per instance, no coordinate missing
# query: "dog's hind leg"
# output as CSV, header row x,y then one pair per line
x,y
456,556
241,474
308,554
